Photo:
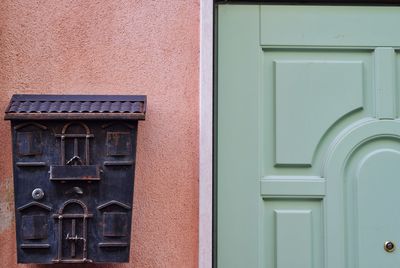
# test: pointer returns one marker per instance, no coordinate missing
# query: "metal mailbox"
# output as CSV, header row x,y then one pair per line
x,y
74,166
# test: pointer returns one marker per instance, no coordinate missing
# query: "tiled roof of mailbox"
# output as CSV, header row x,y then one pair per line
x,y
123,107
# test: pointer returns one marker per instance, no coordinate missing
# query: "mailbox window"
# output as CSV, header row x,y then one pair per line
x,y
29,143
34,227
115,223
118,143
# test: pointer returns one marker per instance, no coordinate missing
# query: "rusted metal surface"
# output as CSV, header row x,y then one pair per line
x,y
66,174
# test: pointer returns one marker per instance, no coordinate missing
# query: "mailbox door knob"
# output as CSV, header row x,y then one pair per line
x,y
37,194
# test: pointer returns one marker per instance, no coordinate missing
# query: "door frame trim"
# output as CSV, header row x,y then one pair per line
x,y
206,91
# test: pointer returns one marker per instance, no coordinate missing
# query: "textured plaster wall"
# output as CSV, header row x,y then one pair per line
x,y
116,47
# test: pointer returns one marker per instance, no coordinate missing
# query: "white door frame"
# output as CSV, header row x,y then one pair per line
x,y
206,133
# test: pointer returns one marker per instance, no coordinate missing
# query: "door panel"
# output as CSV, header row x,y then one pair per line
x,y
327,83
293,228
329,26
307,137
371,185
312,95
238,135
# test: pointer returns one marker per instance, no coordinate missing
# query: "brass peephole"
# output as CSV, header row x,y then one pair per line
x,y
389,246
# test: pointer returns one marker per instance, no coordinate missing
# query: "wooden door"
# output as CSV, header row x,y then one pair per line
x,y
308,136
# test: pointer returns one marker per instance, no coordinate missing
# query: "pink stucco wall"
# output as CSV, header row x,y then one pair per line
x,y
116,47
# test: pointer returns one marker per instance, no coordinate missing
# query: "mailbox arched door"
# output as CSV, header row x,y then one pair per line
x,y
72,232
308,139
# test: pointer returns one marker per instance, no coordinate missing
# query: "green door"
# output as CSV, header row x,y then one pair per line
x,y
308,136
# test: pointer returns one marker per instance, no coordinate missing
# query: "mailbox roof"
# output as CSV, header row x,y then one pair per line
x,y
89,107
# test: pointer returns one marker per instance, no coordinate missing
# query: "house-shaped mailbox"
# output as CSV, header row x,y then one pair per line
x,y
74,166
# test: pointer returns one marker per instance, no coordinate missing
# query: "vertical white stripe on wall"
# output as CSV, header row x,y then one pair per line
x,y
206,127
